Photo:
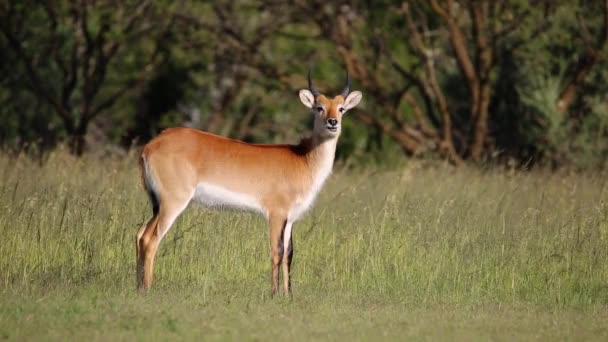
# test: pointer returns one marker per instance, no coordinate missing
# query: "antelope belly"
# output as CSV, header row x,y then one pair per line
x,y
217,197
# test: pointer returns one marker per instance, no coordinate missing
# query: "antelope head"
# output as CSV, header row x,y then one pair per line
x,y
328,111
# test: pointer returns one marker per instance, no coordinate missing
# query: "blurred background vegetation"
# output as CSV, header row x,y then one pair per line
x,y
507,81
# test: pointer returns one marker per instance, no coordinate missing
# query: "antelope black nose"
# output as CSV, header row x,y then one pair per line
x,y
332,122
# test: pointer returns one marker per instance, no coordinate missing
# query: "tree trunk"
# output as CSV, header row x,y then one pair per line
x,y
77,144
481,122
479,13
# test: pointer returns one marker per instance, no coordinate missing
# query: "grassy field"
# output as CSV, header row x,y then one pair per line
x,y
423,253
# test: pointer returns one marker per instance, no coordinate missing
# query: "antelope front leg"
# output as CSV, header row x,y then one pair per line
x,y
287,257
277,226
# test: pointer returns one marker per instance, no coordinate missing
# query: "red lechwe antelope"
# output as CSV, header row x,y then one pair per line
x,y
278,181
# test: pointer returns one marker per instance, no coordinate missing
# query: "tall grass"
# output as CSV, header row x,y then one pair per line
x,y
419,235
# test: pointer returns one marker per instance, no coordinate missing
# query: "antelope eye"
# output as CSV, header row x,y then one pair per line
x,y
341,109
319,109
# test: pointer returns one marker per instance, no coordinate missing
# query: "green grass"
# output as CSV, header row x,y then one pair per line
x,y
424,252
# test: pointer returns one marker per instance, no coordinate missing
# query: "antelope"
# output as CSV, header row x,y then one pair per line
x,y
279,181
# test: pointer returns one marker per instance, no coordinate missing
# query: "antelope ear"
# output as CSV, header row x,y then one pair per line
x,y
307,98
352,100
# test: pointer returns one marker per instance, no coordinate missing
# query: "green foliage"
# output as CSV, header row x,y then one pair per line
x,y
225,60
575,137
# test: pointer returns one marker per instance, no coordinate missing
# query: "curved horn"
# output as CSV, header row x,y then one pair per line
x,y
347,87
312,88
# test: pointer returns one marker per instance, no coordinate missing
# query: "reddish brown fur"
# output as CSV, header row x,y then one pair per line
x,y
331,106
179,160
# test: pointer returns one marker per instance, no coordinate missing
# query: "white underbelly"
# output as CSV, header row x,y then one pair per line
x,y
214,196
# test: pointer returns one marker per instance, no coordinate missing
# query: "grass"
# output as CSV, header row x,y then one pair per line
x,y
422,252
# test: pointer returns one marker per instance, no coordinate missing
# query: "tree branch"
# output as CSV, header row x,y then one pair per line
x,y
35,80
586,62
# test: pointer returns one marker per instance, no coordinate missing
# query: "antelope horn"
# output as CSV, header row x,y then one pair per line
x,y
347,87
312,88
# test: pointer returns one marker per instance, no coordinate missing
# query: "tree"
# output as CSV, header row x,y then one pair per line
x,y
406,63
82,60
463,79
